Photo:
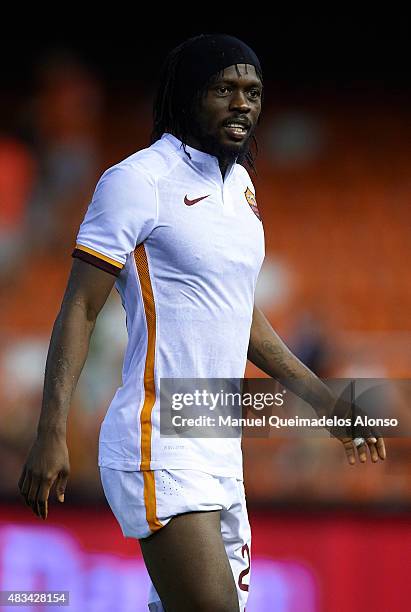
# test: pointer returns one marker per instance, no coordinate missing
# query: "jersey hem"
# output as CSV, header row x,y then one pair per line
x,y
134,466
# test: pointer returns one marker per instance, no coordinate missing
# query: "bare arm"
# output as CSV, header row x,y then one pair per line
x,y
87,291
269,353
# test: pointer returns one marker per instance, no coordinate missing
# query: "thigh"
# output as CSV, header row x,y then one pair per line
x,y
188,564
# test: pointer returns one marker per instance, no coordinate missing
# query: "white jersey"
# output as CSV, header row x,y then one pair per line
x,y
186,247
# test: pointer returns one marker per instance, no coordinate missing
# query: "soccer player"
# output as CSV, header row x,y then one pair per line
x,y
177,228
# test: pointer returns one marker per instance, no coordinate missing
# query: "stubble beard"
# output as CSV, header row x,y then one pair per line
x,y
224,152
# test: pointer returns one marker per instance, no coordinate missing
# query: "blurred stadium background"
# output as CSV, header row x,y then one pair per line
x,y
334,190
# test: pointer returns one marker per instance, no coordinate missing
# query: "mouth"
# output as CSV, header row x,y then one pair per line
x,y
237,130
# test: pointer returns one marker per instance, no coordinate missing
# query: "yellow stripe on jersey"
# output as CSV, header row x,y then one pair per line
x,y
113,262
149,388
150,500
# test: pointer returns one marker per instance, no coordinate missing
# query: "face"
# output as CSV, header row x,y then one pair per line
x,y
228,112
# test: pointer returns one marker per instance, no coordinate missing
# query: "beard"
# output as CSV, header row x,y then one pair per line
x,y
211,144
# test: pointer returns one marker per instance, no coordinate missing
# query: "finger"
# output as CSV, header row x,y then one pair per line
x,y
373,451
61,486
25,487
349,450
21,479
362,452
24,483
381,448
372,448
32,494
42,498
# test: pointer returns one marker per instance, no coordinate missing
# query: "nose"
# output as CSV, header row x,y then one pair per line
x,y
239,101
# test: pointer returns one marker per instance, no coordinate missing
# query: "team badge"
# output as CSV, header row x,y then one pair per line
x,y
250,197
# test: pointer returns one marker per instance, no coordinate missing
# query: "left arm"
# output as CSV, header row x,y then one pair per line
x,y
268,352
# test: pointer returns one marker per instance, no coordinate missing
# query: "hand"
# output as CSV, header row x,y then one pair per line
x,y
375,446
356,439
47,463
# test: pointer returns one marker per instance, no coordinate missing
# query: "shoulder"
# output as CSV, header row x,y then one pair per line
x,y
128,185
147,165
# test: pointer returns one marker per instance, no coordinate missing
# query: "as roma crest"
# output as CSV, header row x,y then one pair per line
x,y
250,197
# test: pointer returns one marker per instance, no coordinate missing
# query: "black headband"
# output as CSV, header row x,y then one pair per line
x,y
208,54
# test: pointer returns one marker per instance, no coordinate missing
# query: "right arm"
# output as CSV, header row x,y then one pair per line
x,y
87,291
122,213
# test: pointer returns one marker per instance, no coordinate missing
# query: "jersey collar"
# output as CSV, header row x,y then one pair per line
x,y
198,157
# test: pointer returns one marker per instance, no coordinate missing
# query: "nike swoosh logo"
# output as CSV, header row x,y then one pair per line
x,y
191,202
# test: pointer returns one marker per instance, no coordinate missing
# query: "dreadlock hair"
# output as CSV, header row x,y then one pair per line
x,y
173,116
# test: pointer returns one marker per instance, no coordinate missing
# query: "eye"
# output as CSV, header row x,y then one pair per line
x,y
223,90
254,93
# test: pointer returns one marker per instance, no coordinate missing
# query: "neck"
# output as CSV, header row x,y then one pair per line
x,y
223,166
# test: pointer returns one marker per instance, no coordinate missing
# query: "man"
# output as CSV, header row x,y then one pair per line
x,y
177,226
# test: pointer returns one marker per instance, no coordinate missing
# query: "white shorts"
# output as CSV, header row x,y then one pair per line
x,y
144,502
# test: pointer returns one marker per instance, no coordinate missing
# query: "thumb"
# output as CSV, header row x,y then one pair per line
x,y
61,486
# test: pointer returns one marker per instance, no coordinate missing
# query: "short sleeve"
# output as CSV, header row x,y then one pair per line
x,y
121,215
